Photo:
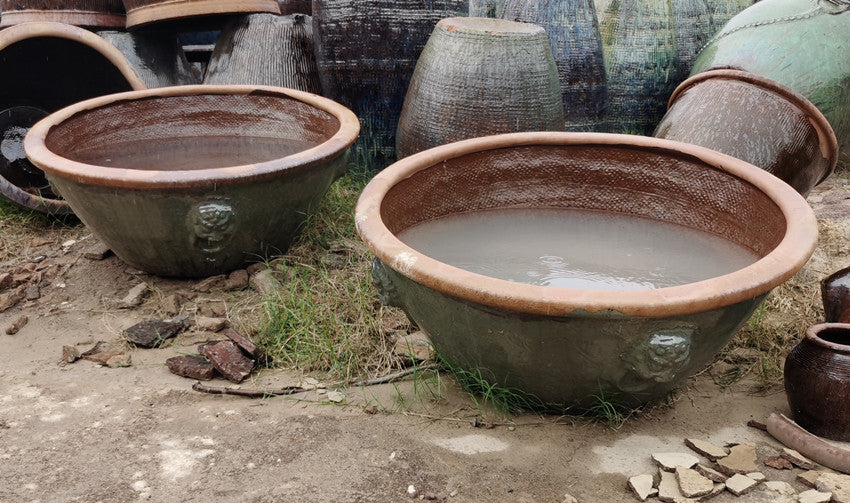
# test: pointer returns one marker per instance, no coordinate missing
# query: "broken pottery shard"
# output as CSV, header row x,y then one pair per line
x,y
710,473
208,284
781,488
757,476
797,459
836,483
740,484
741,459
119,360
210,324
193,367
264,283
414,347
692,484
228,360
808,478
668,488
668,461
335,397
103,356
706,449
814,496
135,296
247,346
152,333
236,280
778,463
17,325
70,354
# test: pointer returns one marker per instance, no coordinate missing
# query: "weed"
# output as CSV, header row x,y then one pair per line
x,y
492,397
608,410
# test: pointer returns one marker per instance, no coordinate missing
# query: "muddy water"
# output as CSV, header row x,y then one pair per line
x,y
191,153
576,249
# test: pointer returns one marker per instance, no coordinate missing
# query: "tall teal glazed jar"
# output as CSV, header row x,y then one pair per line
x,y
803,44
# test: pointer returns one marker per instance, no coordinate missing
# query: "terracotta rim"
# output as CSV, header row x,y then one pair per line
x,y
41,156
177,9
814,331
72,17
757,279
828,140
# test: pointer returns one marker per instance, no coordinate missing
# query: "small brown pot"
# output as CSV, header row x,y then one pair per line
x,y
817,381
835,291
87,13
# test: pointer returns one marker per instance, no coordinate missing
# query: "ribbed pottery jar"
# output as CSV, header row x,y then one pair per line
x,y
157,56
366,51
191,12
47,66
486,8
817,381
87,13
477,77
573,32
266,49
754,119
835,293
802,44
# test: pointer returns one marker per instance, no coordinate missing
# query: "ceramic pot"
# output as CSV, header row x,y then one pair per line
x,y
835,293
801,44
754,119
156,55
476,77
86,13
295,7
141,12
817,381
73,64
365,64
266,49
192,181
573,33
567,345
486,8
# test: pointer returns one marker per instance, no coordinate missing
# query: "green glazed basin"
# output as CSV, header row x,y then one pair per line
x,y
564,346
192,181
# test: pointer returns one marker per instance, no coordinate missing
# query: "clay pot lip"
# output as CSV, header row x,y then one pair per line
x,y
488,26
171,10
757,279
828,139
814,331
91,18
336,145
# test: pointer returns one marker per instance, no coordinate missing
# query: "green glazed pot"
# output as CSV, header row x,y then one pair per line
x,y
567,346
192,181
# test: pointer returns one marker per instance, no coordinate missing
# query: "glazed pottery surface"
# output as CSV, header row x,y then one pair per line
x,y
48,66
266,49
288,7
192,181
88,13
802,44
141,12
754,119
566,346
476,77
817,381
156,56
835,293
573,32
486,8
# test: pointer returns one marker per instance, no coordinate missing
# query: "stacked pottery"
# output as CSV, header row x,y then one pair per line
x,y
266,49
476,77
86,13
189,12
573,33
157,56
366,51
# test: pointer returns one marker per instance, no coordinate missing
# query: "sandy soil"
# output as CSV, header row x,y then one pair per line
x,y
86,432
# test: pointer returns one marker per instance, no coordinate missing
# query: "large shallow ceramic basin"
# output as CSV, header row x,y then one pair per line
x,y
191,181
569,346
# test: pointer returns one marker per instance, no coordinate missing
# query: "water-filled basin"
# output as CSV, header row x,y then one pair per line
x,y
191,181
575,343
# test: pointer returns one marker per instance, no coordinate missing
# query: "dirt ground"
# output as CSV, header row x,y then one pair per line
x,y
84,432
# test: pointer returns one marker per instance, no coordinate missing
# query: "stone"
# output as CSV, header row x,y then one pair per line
x,y
228,360
739,484
5,281
741,459
814,496
119,360
212,308
193,367
101,356
668,488
17,325
135,296
265,284
706,449
692,484
836,483
247,346
236,280
643,486
152,333
254,268
70,354
808,478
719,487
207,284
334,260
97,251
668,461
778,463
710,473
568,498
171,304
40,241
757,476
10,299
780,487
797,459
32,292
335,396
415,347
210,324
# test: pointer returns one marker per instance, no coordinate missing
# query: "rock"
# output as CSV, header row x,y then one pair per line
x,y
119,360
207,284
236,280
741,459
719,487
668,488
171,305
212,308
415,347
210,324
757,476
5,281
264,283
40,241
760,425
814,496
247,346
779,487
370,409
152,333
808,478
70,354
692,484
739,484
836,483
101,356
568,498
97,251
710,474
193,367
228,359
17,325
334,260
797,459
668,461
778,463
335,396
706,449
254,268
642,486
32,292
135,296
10,299
411,491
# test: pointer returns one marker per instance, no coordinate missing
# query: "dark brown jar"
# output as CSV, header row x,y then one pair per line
x,y
817,381
835,292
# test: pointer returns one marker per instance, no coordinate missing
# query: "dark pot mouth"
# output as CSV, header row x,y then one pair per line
x,y
781,262
833,336
826,135
61,167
